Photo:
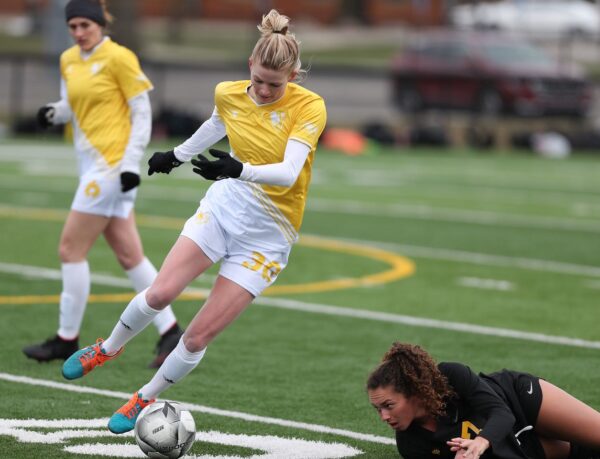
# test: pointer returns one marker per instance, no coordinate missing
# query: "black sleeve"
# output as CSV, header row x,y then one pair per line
x,y
475,392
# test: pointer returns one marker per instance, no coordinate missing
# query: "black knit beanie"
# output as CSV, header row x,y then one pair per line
x,y
89,9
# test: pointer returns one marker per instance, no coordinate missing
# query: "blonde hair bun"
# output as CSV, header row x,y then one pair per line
x,y
274,23
277,48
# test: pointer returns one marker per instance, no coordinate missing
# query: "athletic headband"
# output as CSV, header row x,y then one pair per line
x,y
88,9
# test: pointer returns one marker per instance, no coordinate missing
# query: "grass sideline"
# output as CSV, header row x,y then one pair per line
x,y
498,241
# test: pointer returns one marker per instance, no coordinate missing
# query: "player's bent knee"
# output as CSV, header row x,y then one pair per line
x,y
194,343
159,298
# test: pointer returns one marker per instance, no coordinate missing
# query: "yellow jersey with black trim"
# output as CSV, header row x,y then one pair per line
x,y
258,134
98,90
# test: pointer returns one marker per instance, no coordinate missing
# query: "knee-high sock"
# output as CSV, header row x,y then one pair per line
x,y
73,299
142,277
176,366
136,316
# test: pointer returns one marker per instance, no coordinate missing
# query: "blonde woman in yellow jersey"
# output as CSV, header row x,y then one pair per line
x,y
104,94
248,219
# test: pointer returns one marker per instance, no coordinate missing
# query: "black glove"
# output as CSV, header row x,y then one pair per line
x,y
45,116
129,181
163,162
224,167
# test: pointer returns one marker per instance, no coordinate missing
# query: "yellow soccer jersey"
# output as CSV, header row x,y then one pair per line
x,y
258,134
98,89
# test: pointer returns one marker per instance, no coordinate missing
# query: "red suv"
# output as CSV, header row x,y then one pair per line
x,y
487,73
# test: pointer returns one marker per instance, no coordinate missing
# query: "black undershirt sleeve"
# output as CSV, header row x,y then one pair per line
x,y
475,392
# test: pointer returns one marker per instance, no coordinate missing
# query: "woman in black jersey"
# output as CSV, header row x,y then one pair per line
x,y
445,410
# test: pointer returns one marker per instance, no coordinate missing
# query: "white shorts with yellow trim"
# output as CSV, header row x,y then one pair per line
x,y
101,195
248,263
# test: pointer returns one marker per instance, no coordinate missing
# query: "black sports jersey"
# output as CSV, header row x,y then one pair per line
x,y
484,404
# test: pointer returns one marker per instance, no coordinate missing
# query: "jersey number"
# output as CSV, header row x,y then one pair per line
x,y
270,269
468,427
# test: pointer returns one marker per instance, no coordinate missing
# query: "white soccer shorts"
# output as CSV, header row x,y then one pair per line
x,y
99,195
247,263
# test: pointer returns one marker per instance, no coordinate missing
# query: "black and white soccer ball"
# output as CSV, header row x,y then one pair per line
x,y
164,430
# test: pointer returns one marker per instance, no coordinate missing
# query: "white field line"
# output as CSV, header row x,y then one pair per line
x,y
54,170
274,447
487,284
585,209
37,153
425,322
315,308
36,272
531,264
203,409
595,284
460,256
480,176
392,210
424,212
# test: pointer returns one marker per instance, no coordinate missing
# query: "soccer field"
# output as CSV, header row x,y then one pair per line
x,y
488,259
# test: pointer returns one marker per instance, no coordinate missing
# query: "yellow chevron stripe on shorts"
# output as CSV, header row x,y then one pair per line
x,y
289,232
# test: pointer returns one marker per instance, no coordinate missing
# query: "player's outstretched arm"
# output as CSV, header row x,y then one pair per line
x,y
163,162
284,173
224,167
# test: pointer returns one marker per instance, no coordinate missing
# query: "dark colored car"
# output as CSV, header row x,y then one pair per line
x,y
486,73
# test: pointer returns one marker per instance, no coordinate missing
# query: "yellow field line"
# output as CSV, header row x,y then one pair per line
x,y
97,298
400,266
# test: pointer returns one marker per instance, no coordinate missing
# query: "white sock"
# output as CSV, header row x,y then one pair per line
x,y
175,367
73,298
142,277
136,316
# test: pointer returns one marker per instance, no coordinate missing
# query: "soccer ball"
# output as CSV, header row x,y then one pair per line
x,y
164,430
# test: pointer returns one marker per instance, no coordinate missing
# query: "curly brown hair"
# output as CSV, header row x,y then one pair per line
x,y
411,371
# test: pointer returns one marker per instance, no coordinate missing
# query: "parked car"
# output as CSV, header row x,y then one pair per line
x,y
486,73
548,18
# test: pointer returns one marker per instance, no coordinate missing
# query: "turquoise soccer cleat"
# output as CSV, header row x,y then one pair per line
x,y
124,419
85,360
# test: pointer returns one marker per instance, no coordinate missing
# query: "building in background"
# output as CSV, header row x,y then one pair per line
x,y
409,12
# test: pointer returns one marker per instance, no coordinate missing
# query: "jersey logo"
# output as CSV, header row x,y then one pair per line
x,y
92,189
201,218
96,67
234,113
277,119
141,77
310,128
436,452
530,390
